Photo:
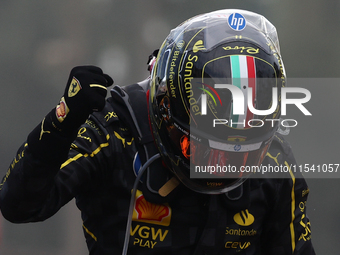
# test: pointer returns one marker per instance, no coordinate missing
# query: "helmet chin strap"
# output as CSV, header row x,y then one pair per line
x,y
168,187
132,201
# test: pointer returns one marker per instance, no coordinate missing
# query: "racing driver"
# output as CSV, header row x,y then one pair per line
x,y
156,168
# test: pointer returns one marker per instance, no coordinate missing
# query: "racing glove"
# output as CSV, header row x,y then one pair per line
x,y
85,93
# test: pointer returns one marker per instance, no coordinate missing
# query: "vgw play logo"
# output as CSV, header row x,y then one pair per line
x,y
238,108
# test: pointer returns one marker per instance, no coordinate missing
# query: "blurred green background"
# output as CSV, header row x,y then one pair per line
x,y
42,40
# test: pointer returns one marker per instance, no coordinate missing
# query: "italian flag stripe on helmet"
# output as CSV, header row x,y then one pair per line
x,y
243,74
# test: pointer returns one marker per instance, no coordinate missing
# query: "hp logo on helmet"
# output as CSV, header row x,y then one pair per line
x,y
237,147
237,22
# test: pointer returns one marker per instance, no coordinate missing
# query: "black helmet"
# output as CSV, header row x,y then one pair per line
x,y
215,98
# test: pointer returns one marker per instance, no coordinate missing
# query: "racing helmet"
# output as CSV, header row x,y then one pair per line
x,y
215,98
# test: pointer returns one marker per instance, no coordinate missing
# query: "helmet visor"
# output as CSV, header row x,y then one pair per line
x,y
209,157
212,167
222,160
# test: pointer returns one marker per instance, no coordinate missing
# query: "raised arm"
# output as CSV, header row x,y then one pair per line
x,y
29,181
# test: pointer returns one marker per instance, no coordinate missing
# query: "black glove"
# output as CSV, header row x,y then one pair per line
x,y
85,93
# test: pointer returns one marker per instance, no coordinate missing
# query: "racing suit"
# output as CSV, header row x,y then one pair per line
x,y
262,216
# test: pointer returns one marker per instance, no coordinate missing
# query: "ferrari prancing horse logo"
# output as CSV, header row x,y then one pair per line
x,y
74,88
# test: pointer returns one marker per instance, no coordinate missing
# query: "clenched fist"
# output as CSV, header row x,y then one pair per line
x,y
85,92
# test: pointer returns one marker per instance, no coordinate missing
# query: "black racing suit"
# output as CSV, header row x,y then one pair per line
x,y
263,216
